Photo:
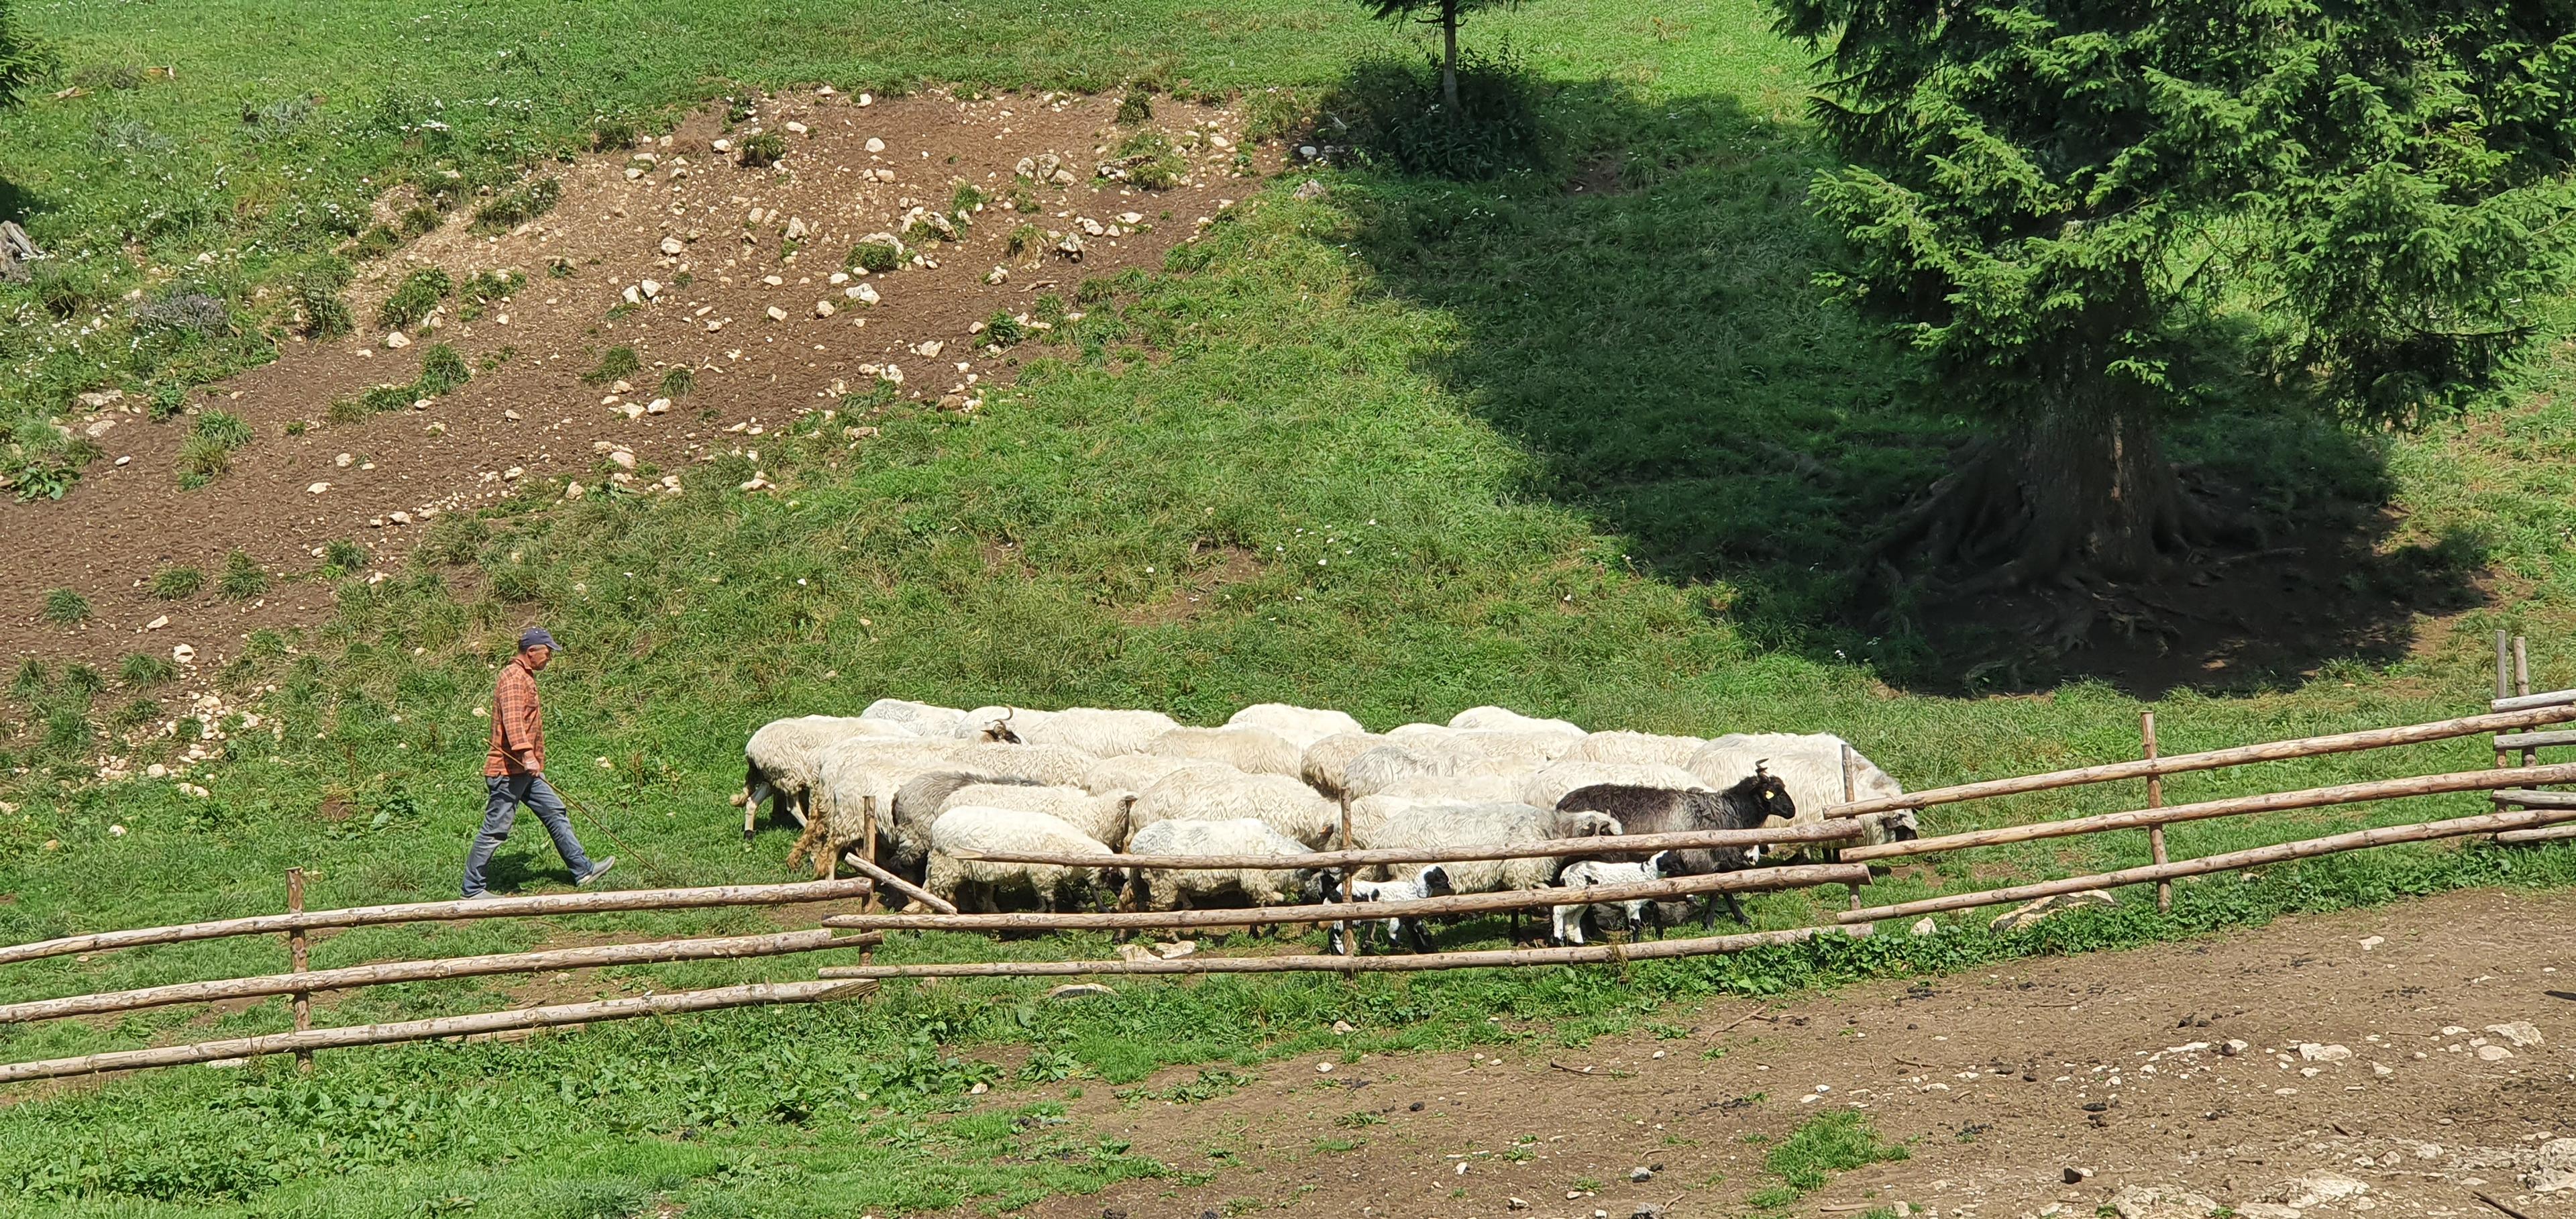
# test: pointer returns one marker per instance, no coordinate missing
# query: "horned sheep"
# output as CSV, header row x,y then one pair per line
x,y
1548,786
1812,766
1754,802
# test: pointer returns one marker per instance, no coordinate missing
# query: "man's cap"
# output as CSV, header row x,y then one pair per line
x,y
537,637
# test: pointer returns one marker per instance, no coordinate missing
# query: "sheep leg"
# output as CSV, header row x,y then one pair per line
x,y
1413,927
1734,909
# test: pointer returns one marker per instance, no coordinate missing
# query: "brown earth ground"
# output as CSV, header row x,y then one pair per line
x,y
532,423
1998,1083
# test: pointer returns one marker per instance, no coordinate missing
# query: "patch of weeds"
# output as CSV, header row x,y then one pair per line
x,y
1049,1066
348,410
966,198
1146,159
143,669
513,208
83,679
677,383
341,556
455,539
242,578
614,363
320,313
1048,308
29,680
1821,1146
1136,107
1276,114
412,300
762,151
135,713
1027,242
1357,1118
1003,330
225,428
420,220
877,256
208,451
1211,1083
441,370
1328,1145
373,244
65,606
612,134
175,582
1393,108
183,314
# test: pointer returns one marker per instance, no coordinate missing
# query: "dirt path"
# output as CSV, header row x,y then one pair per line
x,y
749,292
1997,1083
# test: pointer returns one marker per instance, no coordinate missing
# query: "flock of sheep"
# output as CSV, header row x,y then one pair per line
x,y
946,787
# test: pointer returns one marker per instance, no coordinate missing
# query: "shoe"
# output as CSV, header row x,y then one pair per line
x,y
484,896
598,870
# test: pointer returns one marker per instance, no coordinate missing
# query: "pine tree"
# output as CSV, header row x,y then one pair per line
x,y
1446,14
2088,216
21,62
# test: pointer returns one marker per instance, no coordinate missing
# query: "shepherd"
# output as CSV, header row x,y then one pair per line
x,y
514,770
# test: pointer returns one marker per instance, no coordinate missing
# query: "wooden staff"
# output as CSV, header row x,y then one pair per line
x,y
445,1026
2257,857
2155,799
900,885
1342,930
299,958
1757,880
449,911
1639,845
2315,797
2274,751
1588,954
356,976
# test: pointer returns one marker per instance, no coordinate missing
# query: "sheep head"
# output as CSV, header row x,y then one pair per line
x,y
999,731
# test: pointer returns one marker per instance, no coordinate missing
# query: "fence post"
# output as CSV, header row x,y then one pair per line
x,y
1342,878
2522,685
299,959
2504,687
868,810
2155,799
1851,792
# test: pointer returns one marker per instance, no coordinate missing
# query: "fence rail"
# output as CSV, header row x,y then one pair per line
x,y
1608,844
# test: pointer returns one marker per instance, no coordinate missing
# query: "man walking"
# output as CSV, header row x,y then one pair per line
x,y
514,771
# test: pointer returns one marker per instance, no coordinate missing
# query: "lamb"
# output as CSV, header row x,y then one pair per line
x,y
1588,872
1510,720
1812,766
1254,751
1327,761
779,760
1636,749
983,885
1301,726
1755,802
1399,932
1549,786
1096,731
1137,771
1181,889
1486,825
925,719
1288,806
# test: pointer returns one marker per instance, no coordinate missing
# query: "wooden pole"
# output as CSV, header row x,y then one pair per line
x,y
2530,798
1588,954
1851,792
299,959
449,911
900,885
355,976
2315,797
445,1026
2527,702
2358,839
1757,880
1639,845
2548,833
2503,689
2274,751
2155,799
2521,687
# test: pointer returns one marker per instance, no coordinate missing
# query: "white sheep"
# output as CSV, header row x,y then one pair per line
x,y
1137,771
853,772
1288,806
1000,725
1811,764
780,760
1548,786
1327,761
1100,732
1369,813
984,885
1589,872
1185,888
925,719
1636,749
903,836
1501,751
1445,826
1507,719
1399,931
1102,818
1388,765
1254,751
1302,726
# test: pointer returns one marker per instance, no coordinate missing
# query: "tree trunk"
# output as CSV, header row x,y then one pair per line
x,y
1449,59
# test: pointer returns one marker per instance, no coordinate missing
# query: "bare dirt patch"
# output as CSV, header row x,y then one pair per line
x,y
2377,1066
723,243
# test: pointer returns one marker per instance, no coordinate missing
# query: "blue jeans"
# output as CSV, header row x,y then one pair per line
x,y
505,793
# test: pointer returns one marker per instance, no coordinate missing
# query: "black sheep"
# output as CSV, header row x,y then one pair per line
x,y
1756,801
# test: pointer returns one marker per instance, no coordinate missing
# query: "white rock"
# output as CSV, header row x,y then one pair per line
x,y
156,771
1925,926
345,460
2371,942
874,144
658,406
671,245
2493,1053
2554,1167
822,308
2031,913
157,623
514,472
794,128
651,288
2519,1032
777,314
623,459
866,100
865,294
575,490
2315,1189
2310,1051
183,654
317,488
397,338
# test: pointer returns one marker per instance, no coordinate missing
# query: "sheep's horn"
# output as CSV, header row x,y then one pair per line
x,y
1759,766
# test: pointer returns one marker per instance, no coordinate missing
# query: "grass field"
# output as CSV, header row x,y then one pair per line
x,y
1591,455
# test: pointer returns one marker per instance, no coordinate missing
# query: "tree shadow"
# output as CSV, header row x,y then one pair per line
x,y
16,202
1645,317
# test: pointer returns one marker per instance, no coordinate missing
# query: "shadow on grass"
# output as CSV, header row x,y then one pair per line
x,y
1642,313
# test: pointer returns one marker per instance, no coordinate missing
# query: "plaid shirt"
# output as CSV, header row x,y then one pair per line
x,y
518,727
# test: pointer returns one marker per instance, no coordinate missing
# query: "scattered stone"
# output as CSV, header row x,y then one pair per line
x,y
822,308
2146,1202
1925,926
2553,1167
2493,1053
317,488
2266,1210
1517,1204
1310,189
183,654
2310,1051
651,288
1641,1174
2031,914
671,245
658,406
397,338
2232,1049
777,314
157,623
2316,1189
2075,1176
2519,1032
1177,948
2372,942
875,144
794,128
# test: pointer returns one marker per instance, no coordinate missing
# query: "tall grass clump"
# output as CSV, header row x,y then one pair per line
x,y
176,582
242,578
414,298
66,606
